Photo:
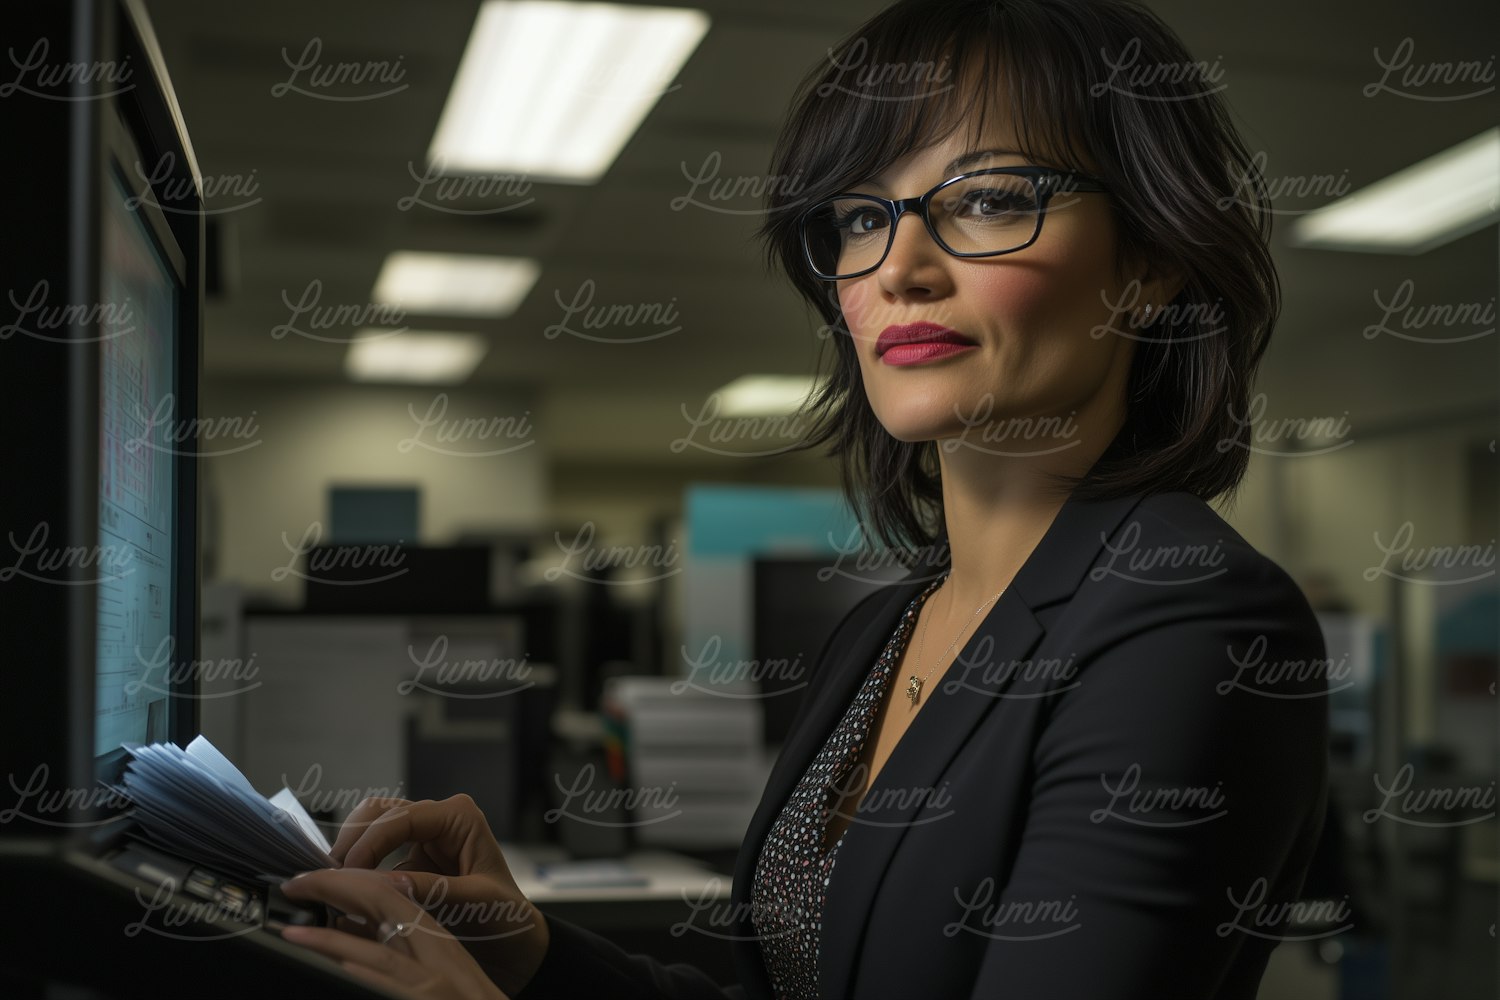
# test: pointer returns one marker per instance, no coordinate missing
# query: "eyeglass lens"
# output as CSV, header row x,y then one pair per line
x,y
989,213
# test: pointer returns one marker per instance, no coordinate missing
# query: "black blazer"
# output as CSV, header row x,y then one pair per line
x,y
1115,791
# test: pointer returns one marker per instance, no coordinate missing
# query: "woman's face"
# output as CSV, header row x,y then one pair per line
x,y
1034,316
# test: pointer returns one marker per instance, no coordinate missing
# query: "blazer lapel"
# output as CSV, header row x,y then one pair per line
x,y
1051,573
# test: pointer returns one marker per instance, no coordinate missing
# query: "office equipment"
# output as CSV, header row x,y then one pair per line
x,y
797,601
374,513
99,393
100,347
464,735
693,758
769,573
1351,642
428,705
393,578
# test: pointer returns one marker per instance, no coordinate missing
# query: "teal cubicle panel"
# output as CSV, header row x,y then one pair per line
x,y
727,527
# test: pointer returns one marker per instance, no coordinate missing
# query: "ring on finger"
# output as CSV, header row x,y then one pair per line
x,y
389,930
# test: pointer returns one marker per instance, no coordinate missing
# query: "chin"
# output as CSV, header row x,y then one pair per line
x,y
927,412
913,428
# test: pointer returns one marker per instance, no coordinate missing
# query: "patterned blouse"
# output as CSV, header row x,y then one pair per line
x,y
791,876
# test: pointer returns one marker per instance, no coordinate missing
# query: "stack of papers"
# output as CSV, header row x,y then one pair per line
x,y
197,805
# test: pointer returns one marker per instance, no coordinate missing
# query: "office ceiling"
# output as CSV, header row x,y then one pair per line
x,y
317,191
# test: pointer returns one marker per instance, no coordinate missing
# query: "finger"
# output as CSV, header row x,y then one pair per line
x,y
416,886
447,834
471,898
343,947
359,927
360,894
429,889
421,947
380,979
417,859
397,824
450,900
425,889
368,895
358,820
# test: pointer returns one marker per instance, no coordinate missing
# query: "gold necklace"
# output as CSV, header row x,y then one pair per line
x,y
914,684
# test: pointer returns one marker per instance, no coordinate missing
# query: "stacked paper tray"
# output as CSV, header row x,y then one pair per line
x,y
198,805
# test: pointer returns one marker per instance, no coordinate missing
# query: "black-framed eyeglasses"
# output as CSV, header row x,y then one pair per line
x,y
980,214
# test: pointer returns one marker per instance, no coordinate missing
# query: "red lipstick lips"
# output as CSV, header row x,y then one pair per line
x,y
918,342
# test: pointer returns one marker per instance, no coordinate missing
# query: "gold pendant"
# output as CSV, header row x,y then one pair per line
x,y
914,688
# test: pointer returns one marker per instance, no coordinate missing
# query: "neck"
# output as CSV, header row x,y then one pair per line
x,y
996,508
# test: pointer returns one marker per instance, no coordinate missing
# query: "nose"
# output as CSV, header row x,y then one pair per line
x,y
915,265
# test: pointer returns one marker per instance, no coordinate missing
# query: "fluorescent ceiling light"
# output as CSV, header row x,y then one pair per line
x,y
554,89
765,395
1416,209
414,356
455,284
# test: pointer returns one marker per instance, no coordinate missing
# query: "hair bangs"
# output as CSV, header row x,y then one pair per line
x,y
1186,193
911,77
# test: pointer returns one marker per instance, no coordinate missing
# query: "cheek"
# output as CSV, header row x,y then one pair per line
x,y
1017,299
1049,292
856,299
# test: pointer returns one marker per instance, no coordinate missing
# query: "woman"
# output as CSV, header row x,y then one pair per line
x,y
1042,249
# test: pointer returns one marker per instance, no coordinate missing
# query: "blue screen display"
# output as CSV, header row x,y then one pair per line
x,y
137,417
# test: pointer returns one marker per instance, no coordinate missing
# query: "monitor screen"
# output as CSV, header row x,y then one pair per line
x,y
797,603
137,456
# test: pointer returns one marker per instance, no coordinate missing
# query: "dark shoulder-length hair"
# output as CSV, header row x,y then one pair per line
x,y
1099,86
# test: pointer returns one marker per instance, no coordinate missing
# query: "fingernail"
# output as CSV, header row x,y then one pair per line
x,y
402,881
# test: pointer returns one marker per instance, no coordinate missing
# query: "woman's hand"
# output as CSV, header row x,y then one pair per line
x,y
406,952
456,872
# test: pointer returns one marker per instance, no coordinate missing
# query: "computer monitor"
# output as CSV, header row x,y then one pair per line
x,y
99,365
145,610
797,602
101,323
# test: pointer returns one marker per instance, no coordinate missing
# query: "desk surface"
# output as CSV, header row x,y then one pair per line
x,y
669,876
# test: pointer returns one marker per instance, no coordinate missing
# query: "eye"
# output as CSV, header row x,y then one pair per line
x,y
990,203
860,220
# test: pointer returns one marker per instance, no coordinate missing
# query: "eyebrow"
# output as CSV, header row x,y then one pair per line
x,y
965,159
957,164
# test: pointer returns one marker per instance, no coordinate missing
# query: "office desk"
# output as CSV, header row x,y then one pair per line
x,y
672,877
678,916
